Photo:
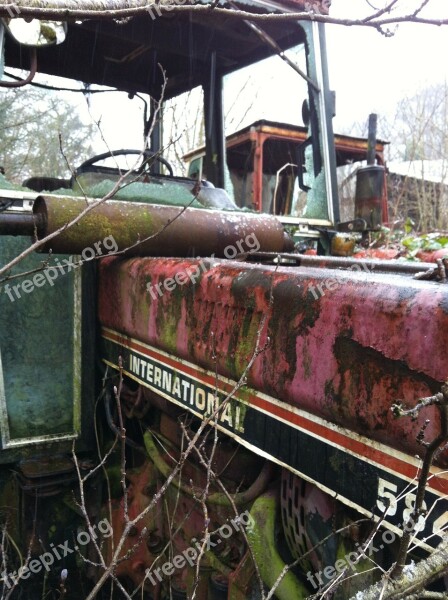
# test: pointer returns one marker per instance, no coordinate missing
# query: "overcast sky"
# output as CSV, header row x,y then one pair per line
x,y
371,72
368,71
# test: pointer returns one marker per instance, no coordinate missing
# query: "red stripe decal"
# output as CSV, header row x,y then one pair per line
x,y
361,449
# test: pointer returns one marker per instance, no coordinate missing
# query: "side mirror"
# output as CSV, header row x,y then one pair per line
x,y
36,33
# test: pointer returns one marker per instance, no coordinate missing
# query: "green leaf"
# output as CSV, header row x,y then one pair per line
x,y
409,225
432,245
412,243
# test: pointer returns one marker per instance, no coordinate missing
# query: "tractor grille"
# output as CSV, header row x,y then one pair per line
x,y
293,516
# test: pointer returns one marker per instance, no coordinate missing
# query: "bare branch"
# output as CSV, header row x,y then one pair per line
x,y
405,581
121,9
423,479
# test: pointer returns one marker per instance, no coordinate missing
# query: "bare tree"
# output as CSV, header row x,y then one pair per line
x,y
182,133
30,127
418,180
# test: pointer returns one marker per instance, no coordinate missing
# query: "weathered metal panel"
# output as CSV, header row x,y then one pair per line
x,y
338,348
345,355
39,364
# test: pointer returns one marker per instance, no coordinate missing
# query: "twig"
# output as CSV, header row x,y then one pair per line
x,y
119,184
398,410
122,430
399,586
379,13
431,449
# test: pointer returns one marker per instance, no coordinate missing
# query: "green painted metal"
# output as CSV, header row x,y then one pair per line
x,y
264,547
158,191
39,364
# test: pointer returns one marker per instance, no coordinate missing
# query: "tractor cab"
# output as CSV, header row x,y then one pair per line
x,y
165,55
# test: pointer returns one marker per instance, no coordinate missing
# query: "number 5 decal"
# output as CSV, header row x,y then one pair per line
x,y
386,499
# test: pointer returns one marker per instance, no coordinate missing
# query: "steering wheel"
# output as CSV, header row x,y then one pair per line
x,y
146,154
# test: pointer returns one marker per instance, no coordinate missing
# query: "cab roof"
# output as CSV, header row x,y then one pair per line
x,y
186,45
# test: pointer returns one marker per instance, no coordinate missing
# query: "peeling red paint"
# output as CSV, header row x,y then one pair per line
x,y
346,356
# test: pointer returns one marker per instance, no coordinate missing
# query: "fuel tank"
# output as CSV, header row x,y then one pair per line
x,y
320,355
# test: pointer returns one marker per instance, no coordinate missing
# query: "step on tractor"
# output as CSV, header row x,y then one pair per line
x,y
192,405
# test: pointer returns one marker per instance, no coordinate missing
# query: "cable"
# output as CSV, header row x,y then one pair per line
x,y
21,82
85,91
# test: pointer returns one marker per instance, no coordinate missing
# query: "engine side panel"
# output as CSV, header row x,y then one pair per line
x,y
319,392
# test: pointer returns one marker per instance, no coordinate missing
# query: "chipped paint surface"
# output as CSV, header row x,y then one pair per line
x,y
346,356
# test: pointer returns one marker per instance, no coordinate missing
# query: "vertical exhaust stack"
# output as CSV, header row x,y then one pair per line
x,y
371,185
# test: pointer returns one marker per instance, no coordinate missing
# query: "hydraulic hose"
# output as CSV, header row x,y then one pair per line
x,y
219,499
